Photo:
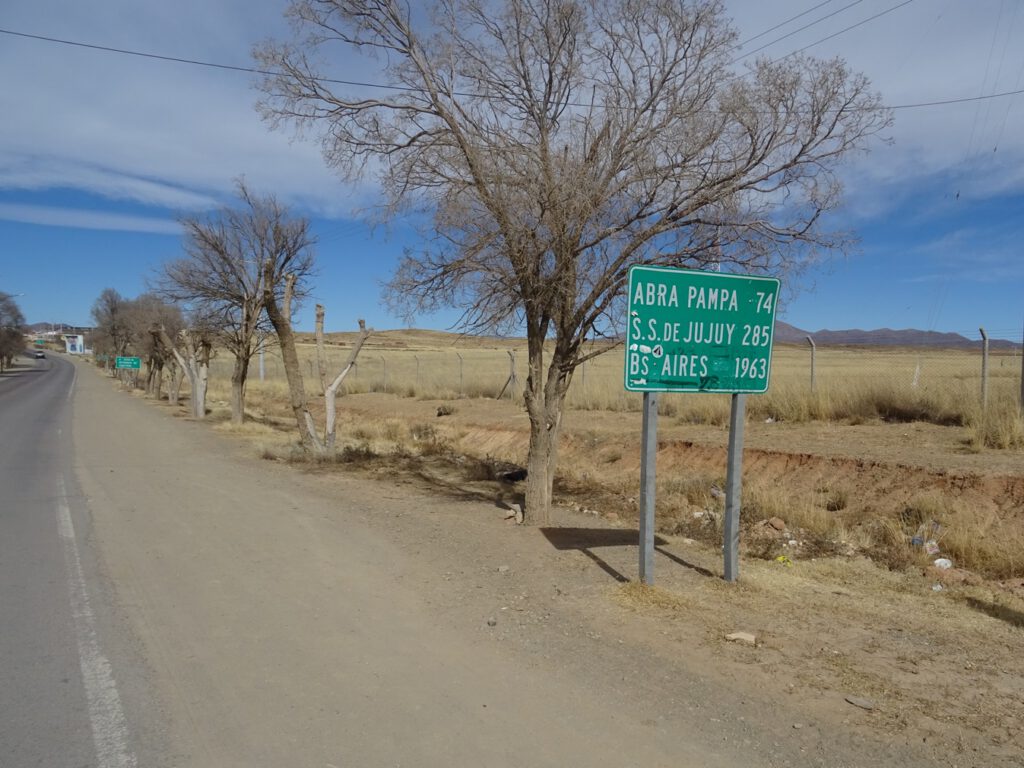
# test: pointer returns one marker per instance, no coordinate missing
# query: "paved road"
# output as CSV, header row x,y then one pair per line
x,y
59,705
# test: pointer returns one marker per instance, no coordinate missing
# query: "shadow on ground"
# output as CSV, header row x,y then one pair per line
x,y
585,540
1011,616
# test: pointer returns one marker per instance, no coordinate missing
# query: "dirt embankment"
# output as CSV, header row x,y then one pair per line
x,y
864,489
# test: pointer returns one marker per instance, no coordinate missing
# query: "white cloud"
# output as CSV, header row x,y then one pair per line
x,y
924,51
175,135
87,219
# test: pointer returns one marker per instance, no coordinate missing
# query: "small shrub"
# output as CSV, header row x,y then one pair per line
x,y
362,433
423,432
354,454
392,430
924,508
836,499
696,489
1000,427
612,456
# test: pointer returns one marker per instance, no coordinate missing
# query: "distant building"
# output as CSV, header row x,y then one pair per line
x,y
75,343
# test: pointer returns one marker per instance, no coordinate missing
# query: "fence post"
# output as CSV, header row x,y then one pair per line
x,y
512,380
813,350
984,369
462,391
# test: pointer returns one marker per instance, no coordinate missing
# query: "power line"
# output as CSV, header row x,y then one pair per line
x,y
852,26
385,86
197,62
784,23
796,31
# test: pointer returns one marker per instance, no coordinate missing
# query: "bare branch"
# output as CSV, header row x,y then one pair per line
x,y
554,144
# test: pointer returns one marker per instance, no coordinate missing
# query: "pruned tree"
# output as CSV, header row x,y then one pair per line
x,y
193,351
221,275
140,316
12,322
330,391
556,143
280,314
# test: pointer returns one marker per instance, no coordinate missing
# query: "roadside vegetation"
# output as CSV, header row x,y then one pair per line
x,y
826,510
12,322
446,375
853,385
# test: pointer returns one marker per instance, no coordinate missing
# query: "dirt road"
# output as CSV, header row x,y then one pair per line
x,y
308,620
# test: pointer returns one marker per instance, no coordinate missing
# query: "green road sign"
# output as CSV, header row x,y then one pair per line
x,y
691,331
128,362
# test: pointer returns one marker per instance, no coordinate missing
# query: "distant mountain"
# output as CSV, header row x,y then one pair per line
x,y
789,334
883,337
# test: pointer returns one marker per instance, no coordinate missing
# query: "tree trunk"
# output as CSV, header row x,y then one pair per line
x,y
545,398
156,381
540,476
238,379
199,379
174,386
196,364
280,318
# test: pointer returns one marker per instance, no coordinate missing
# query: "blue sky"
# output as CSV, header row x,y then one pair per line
x,y
100,153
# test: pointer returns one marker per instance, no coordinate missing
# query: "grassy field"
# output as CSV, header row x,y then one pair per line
x,y
851,385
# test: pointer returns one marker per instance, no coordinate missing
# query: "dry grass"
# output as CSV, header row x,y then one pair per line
x,y
853,386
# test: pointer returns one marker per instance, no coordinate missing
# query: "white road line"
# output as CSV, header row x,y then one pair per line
x,y
109,728
71,389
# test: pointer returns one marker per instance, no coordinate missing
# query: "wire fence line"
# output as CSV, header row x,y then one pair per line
x,y
818,380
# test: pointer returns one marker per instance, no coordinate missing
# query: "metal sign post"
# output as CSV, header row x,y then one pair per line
x,y
648,454
733,486
691,331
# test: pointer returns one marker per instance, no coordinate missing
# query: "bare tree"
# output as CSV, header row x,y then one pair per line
x,y
280,316
221,275
111,335
556,143
12,321
140,315
193,352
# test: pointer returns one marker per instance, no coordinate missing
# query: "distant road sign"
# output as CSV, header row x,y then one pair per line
x,y
128,362
691,331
